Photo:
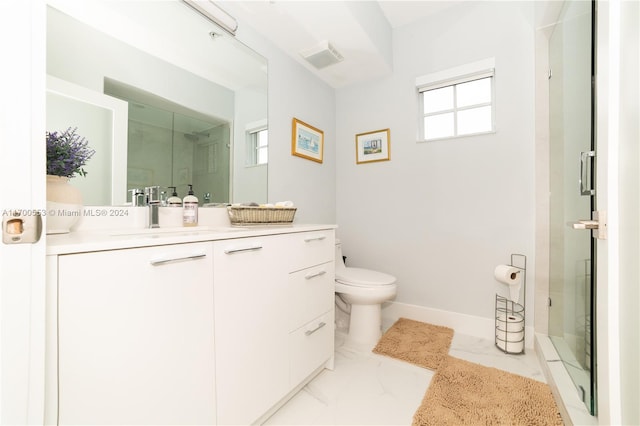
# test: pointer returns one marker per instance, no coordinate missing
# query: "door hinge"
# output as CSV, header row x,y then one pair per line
x,y
550,73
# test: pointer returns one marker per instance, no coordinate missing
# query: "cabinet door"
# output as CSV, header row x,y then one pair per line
x,y
252,372
135,336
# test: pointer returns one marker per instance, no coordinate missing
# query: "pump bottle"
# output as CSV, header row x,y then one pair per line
x,y
190,209
174,200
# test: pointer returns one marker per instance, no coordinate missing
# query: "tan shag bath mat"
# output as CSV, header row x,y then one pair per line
x,y
416,342
465,393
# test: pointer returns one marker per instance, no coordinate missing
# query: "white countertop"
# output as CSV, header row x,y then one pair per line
x,y
114,239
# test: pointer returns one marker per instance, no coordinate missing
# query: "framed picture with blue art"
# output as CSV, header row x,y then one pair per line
x,y
307,141
373,146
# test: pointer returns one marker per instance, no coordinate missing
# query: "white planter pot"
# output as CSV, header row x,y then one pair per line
x,y
64,205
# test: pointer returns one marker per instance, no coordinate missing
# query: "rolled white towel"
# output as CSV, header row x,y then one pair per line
x,y
284,204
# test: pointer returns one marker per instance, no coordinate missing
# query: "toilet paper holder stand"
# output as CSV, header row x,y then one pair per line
x,y
509,315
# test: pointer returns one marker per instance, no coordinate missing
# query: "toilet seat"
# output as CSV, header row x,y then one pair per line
x,y
359,277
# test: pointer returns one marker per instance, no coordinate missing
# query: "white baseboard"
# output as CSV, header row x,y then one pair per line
x,y
483,328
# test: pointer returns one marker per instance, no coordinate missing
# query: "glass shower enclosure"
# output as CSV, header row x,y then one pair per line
x,y
572,179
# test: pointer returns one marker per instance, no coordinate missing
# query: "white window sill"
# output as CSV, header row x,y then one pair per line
x,y
447,138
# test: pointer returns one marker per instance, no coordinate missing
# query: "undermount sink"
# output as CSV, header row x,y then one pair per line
x,y
174,230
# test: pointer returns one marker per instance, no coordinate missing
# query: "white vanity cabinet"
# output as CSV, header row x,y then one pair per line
x,y
136,337
274,321
197,328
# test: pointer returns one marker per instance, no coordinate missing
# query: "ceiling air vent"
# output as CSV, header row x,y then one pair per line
x,y
322,55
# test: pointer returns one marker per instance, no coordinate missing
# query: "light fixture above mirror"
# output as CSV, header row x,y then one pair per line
x,y
215,14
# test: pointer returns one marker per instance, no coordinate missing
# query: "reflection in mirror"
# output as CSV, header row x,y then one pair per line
x,y
100,119
208,94
172,146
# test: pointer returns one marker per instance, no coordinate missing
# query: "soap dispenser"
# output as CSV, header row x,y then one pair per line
x,y
190,209
174,200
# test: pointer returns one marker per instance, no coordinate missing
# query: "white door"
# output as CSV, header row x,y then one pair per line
x,y
22,158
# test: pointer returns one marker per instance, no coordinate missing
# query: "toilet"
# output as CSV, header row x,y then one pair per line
x,y
365,291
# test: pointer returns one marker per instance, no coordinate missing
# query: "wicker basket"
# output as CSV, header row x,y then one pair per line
x,y
245,215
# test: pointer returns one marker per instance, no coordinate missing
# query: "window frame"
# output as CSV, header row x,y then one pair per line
x,y
251,155
452,78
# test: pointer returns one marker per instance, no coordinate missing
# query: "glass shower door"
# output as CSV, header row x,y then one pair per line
x,y
572,174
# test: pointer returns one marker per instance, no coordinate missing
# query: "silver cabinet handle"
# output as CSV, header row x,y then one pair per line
x,y
165,260
310,332
309,239
317,274
583,169
243,249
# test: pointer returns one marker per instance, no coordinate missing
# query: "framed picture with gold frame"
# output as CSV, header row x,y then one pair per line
x,y
307,141
373,146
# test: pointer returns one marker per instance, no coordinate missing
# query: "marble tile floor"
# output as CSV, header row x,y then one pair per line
x,y
369,389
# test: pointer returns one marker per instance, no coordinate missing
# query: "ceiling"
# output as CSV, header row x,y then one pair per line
x,y
361,31
400,13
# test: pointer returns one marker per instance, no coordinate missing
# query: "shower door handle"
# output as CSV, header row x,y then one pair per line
x,y
586,224
582,179
598,225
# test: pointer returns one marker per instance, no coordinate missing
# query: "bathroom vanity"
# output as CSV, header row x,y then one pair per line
x,y
204,326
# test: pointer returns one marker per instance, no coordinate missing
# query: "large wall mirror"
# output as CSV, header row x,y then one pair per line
x,y
163,95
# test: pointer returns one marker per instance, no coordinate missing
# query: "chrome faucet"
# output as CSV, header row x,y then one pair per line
x,y
153,199
137,197
207,198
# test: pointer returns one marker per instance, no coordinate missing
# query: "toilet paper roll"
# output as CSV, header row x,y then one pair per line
x,y
510,337
511,347
508,274
510,333
510,323
511,276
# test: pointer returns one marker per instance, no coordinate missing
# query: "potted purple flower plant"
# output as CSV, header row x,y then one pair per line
x,y
67,154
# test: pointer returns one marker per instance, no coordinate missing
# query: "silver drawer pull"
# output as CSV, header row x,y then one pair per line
x,y
310,332
240,250
317,274
309,239
164,261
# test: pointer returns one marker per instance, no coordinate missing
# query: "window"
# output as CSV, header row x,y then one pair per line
x,y
456,105
257,147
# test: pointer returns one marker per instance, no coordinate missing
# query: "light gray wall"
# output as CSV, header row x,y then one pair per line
x,y
294,92
441,215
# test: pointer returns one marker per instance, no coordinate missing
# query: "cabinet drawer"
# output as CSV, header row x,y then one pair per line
x,y
312,291
310,248
311,346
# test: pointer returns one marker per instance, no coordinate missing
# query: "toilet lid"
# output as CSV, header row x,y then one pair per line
x,y
363,277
